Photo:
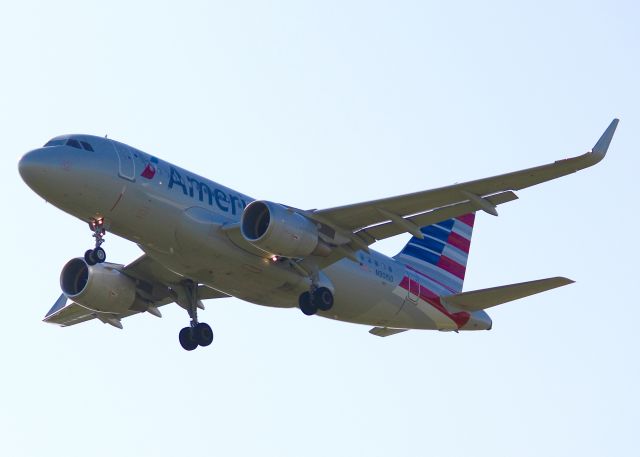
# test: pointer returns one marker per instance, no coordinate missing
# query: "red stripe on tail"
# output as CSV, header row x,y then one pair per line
x,y
459,242
468,219
452,267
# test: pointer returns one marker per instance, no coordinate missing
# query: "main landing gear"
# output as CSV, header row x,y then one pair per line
x,y
97,254
317,299
198,333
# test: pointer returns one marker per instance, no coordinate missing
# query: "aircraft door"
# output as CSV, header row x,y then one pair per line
x,y
126,165
413,294
414,291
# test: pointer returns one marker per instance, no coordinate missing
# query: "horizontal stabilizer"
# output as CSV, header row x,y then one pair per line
x,y
477,300
386,331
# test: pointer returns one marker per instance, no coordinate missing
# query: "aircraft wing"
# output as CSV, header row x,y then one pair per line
x,y
475,193
353,227
156,286
149,271
65,314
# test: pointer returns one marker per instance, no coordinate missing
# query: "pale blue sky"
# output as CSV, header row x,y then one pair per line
x,y
317,104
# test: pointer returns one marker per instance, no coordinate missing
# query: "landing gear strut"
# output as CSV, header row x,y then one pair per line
x,y
97,254
198,333
317,299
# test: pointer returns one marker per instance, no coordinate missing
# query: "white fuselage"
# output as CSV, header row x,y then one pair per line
x,y
179,219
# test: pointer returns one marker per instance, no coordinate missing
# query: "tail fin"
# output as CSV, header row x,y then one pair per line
x,y
442,254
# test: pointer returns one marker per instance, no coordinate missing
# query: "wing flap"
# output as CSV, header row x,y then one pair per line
x,y
477,300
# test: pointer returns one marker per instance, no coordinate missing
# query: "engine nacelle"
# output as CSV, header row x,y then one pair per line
x,y
99,287
279,230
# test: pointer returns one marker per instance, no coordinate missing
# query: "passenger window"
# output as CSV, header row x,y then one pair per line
x,y
87,146
54,143
74,143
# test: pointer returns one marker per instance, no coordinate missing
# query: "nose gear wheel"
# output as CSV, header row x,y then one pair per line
x,y
97,254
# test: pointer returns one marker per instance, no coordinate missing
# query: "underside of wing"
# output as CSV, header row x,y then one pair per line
x,y
74,313
142,286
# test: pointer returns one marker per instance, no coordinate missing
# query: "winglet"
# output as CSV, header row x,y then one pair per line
x,y
600,149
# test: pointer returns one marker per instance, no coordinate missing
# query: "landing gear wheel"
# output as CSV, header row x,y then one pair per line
x,y
187,339
306,304
203,334
89,258
323,299
99,255
198,333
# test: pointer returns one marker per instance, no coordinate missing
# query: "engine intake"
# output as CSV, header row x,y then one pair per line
x,y
99,287
279,230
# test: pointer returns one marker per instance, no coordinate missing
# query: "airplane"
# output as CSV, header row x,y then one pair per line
x,y
201,240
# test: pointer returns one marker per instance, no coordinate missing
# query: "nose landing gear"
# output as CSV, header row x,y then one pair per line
x,y
97,254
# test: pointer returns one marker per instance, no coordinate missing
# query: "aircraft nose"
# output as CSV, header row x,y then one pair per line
x,y
32,166
41,171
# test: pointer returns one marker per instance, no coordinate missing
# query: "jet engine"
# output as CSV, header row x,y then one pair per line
x,y
99,287
280,230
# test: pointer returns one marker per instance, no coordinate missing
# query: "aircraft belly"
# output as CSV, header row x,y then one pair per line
x,y
423,316
190,242
143,219
364,298
255,282
360,296
211,259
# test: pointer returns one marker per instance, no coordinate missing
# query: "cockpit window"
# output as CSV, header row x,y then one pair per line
x,y
54,143
70,142
74,143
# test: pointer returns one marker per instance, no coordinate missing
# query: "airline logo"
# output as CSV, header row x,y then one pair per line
x,y
150,169
442,254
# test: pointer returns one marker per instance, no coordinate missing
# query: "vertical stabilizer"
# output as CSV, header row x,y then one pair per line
x,y
442,254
